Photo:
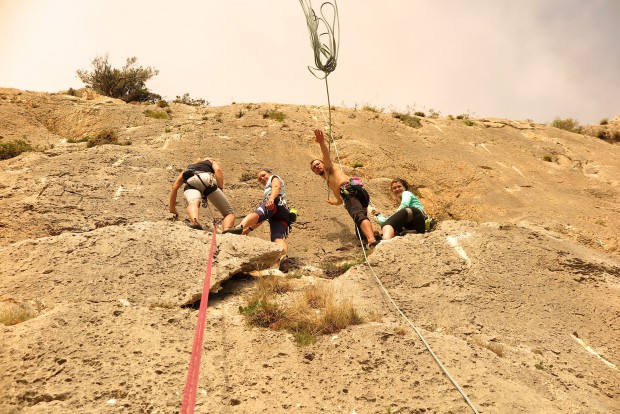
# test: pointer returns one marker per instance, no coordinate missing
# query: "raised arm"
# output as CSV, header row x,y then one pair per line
x,y
219,174
320,139
172,206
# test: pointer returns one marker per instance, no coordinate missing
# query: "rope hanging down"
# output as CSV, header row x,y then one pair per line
x,y
325,53
329,51
417,331
191,385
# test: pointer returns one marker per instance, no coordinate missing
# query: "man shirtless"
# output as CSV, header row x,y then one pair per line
x,y
355,200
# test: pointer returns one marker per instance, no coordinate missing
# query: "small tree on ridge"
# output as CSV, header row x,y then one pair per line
x,y
127,83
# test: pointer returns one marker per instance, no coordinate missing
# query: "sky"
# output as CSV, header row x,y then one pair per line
x,y
526,59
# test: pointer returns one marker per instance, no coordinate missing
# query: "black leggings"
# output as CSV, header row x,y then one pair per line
x,y
409,218
356,201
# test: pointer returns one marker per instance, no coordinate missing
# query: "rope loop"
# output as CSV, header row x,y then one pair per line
x,y
325,53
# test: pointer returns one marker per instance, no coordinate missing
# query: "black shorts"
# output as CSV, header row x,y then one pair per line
x,y
356,201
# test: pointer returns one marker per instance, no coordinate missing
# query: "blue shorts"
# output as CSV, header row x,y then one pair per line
x,y
278,217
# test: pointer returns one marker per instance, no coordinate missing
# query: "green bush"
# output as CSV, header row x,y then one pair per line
x,y
127,83
162,104
371,108
105,137
609,136
247,176
409,120
604,121
432,113
274,115
568,124
10,149
420,114
156,114
76,140
188,100
468,122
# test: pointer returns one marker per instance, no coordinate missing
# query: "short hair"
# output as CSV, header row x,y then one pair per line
x,y
315,159
267,170
403,182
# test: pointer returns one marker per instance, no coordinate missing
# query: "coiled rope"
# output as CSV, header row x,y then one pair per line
x,y
326,53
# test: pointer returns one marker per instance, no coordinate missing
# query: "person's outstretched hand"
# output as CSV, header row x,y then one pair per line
x,y
318,136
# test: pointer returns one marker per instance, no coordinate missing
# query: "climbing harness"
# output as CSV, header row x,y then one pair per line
x,y
199,180
191,385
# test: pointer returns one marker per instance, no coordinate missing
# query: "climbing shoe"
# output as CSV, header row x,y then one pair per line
x,y
373,244
195,225
234,230
429,224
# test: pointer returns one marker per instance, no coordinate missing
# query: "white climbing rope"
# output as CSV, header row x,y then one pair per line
x,y
417,331
325,53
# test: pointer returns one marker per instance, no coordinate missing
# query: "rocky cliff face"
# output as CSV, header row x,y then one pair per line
x,y
521,273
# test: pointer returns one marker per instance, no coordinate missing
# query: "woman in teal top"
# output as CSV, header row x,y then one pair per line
x,y
408,216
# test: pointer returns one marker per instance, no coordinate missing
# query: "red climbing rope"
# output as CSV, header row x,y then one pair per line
x,y
189,395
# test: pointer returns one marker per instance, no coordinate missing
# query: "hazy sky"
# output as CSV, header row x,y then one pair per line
x,y
534,59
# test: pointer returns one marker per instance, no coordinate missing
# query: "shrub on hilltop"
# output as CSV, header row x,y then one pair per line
x,y
127,83
568,124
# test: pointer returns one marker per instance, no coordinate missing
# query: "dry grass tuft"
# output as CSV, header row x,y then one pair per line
x,y
337,316
495,347
314,297
166,304
269,285
307,315
14,313
400,331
